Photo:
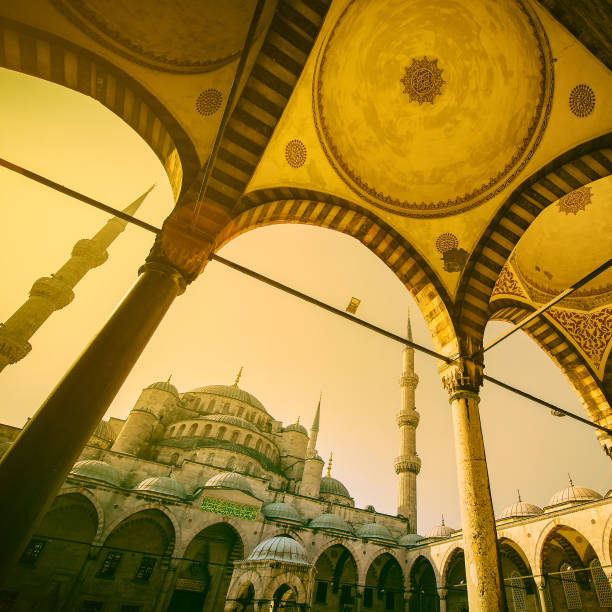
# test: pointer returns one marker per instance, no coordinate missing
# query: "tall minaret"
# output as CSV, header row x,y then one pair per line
x,y
54,292
314,432
408,464
313,464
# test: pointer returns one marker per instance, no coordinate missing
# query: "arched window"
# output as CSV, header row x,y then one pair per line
x,y
235,436
221,433
193,429
180,430
518,592
174,458
240,411
226,408
211,405
171,431
247,440
258,445
211,458
207,429
602,584
570,587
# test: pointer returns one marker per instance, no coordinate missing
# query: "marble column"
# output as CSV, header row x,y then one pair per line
x,y
35,467
442,593
462,379
543,594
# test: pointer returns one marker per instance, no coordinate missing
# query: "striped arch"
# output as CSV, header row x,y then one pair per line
x,y
571,362
31,51
581,165
291,205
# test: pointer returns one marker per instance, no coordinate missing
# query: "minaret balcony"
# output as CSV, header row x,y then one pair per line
x,y
408,418
407,463
53,290
409,380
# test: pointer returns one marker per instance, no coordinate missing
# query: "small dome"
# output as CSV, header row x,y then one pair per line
x,y
374,531
440,531
520,509
333,487
279,548
231,392
165,386
296,427
105,432
230,419
574,495
370,508
97,470
165,485
330,521
282,511
230,480
410,539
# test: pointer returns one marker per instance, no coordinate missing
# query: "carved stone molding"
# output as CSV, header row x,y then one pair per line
x,y
407,463
56,292
410,418
409,380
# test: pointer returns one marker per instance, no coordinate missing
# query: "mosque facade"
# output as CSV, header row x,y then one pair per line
x,y
203,501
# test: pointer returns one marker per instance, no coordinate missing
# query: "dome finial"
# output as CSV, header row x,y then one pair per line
x,y
169,378
329,464
298,421
570,480
442,520
519,495
238,377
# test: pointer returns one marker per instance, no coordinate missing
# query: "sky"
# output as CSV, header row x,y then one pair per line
x,y
291,351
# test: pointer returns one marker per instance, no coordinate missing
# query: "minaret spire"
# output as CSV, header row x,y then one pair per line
x,y
54,292
408,464
238,376
329,464
314,431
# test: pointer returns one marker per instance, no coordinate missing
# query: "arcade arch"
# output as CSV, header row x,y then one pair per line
x,y
384,585
424,596
337,579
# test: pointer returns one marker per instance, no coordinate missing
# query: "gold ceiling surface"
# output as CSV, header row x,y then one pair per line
x,y
436,109
183,36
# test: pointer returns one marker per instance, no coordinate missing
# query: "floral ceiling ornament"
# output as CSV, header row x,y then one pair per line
x,y
575,201
507,284
423,80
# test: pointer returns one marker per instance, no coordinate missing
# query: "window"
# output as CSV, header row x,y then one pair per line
x,y
207,430
180,430
92,606
247,469
389,600
174,458
145,569
235,436
240,411
211,458
171,432
211,405
518,592
258,445
602,584
321,593
221,433
109,565
32,552
368,597
226,408
345,594
247,440
193,429
231,463
570,587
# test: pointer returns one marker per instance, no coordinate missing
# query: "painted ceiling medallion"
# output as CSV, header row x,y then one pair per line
x,y
454,258
209,102
575,201
295,153
582,100
423,80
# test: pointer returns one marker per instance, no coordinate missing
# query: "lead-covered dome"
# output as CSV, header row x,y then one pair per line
x,y
439,531
230,480
165,386
332,486
410,539
279,548
231,392
230,419
374,531
97,470
573,495
297,427
331,522
105,432
282,511
520,509
165,485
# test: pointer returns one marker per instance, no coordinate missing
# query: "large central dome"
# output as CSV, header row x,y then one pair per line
x,y
231,392
437,108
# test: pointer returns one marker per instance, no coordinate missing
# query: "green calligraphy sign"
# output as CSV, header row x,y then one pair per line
x,y
227,508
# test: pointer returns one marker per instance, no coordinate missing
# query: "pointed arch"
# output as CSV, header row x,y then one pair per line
x,y
293,205
212,520
425,584
350,547
581,377
49,57
95,503
290,580
579,166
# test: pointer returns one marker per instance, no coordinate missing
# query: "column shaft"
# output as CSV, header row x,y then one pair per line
x,y
34,469
482,569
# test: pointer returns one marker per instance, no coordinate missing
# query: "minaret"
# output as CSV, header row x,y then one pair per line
x,y
53,292
313,465
314,432
408,464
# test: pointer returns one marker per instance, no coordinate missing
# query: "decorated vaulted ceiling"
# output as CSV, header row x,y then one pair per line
x,y
466,142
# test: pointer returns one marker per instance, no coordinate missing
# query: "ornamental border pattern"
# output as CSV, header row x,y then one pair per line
x,y
487,191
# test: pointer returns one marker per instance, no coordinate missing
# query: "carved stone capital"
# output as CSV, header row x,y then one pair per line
x,y
464,374
407,463
52,289
408,417
186,242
